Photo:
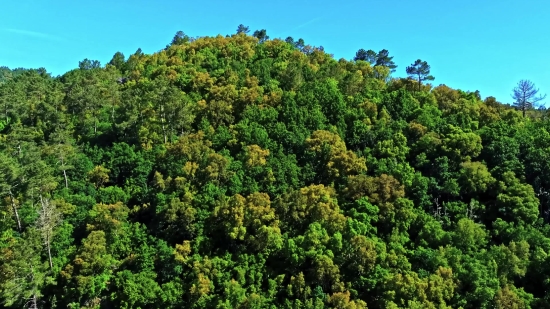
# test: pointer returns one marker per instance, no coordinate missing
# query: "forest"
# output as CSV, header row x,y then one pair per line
x,y
241,171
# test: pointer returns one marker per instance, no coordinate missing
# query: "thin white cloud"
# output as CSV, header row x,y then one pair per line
x,y
35,34
306,23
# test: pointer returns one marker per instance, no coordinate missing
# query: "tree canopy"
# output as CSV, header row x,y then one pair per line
x,y
242,171
419,70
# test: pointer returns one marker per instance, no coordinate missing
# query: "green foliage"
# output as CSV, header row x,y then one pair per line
x,y
420,70
249,172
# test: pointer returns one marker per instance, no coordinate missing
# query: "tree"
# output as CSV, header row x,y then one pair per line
x,y
516,201
118,61
526,96
62,150
22,273
90,91
299,44
48,219
383,59
91,269
88,64
10,179
261,35
243,29
180,38
99,176
366,55
420,70
290,40
332,156
507,298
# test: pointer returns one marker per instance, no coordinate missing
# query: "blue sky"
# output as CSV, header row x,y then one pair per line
x,y
484,45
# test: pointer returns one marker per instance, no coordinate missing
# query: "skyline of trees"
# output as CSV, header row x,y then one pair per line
x,y
381,58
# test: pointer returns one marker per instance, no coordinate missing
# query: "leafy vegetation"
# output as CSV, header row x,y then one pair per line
x,y
248,172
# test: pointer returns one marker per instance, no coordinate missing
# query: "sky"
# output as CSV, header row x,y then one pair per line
x,y
484,45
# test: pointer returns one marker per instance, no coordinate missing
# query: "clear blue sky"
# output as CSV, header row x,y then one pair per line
x,y
484,45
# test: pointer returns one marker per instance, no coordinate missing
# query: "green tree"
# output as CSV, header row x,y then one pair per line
x,y
63,150
419,70
243,29
383,59
261,35
180,38
366,55
22,273
516,201
507,298
118,61
10,180
91,270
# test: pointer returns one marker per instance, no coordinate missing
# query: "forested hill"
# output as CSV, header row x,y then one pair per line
x,y
245,172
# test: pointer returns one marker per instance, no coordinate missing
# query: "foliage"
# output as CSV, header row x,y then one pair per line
x,y
249,172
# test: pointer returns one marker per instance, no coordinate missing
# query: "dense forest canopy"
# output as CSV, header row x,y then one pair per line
x,y
249,172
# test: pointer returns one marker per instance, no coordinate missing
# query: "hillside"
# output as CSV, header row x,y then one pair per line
x,y
245,172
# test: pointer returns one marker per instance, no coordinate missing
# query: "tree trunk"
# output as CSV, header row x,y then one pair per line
x,y
162,116
64,172
524,105
66,180
49,252
46,232
15,211
34,304
34,300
